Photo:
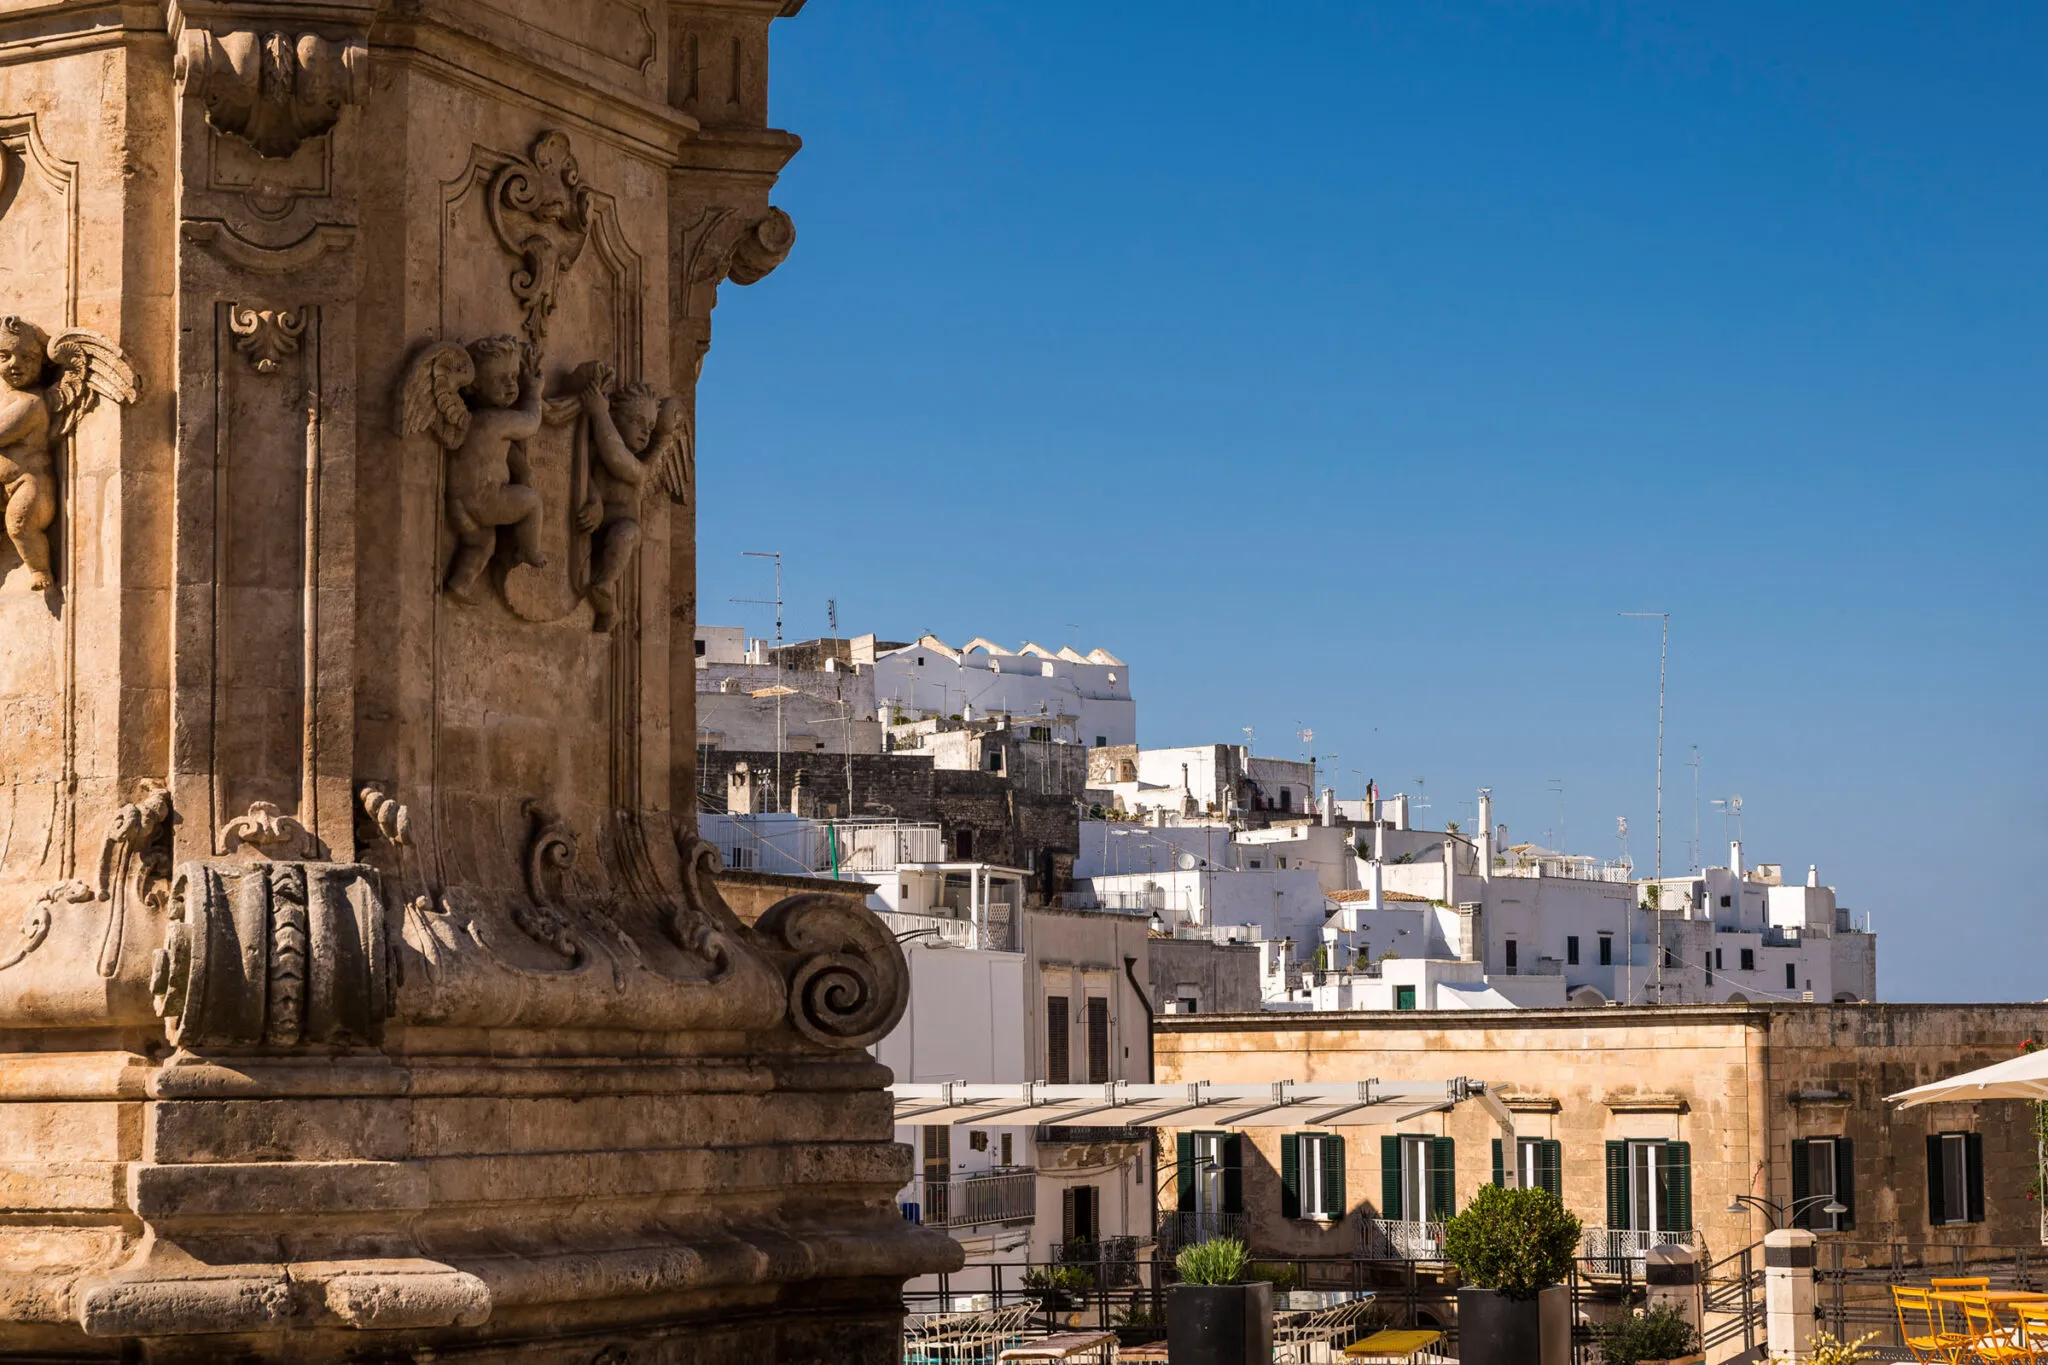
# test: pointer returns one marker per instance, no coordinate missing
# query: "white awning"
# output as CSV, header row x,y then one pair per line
x,y
2018,1078
1122,1104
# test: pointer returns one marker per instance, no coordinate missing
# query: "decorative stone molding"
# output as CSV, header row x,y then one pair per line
x,y
550,853
268,832
724,244
1530,1102
272,90
385,817
541,211
282,954
266,335
848,981
1646,1103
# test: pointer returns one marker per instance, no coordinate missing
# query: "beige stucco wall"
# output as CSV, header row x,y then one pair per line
x,y
1719,1078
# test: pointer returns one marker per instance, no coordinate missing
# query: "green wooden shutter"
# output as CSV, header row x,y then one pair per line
x,y
1390,1178
1184,1171
1973,1153
1617,1185
1678,1184
1233,1173
1443,1191
1290,1175
1499,1172
1550,1167
1802,1183
1937,1209
1845,1182
1067,1219
1336,1199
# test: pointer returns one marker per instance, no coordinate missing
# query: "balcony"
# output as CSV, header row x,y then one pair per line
x,y
1616,1251
1401,1239
997,936
801,847
1184,1229
971,1201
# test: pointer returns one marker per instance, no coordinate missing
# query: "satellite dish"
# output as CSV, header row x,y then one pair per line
x,y
1187,862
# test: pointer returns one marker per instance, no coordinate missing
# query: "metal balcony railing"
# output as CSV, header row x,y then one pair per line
x,y
969,1201
1185,1228
1402,1239
1619,1248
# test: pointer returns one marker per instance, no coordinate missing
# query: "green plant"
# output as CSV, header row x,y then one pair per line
x,y
1139,1312
1220,1260
1513,1241
1058,1286
1660,1333
1281,1277
1828,1350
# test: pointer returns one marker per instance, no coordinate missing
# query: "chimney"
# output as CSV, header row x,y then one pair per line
x,y
1450,869
1735,858
1329,806
1400,805
1813,874
1373,884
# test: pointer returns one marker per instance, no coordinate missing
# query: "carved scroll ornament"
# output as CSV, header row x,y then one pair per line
x,y
848,981
134,857
541,212
46,384
273,90
266,335
269,832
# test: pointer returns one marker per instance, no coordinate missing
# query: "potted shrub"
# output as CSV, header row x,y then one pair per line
x,y
1058,1288
1212,1316
1656,1336
1514,1250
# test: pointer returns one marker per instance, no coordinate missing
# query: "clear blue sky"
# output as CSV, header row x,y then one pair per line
x,y
1353,365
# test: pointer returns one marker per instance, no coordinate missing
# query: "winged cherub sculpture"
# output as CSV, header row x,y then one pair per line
x,y
638,436
46,384
481,403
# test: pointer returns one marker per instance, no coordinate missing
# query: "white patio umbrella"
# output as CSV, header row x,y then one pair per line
x,y
2020,1078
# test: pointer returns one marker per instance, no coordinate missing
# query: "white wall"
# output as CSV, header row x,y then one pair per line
x,y
929,678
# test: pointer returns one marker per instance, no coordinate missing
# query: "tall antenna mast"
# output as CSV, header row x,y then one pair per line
x,y
1663,657
1694,764
845,707
781,729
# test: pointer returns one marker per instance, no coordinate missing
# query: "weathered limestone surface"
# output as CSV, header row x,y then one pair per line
x,y
364,991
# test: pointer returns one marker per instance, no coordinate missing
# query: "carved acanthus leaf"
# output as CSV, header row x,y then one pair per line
x,y
266,335
550,853
270,832
272,90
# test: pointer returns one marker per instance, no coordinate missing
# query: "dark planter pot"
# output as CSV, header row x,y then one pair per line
x,y
1496,1330
1227,1324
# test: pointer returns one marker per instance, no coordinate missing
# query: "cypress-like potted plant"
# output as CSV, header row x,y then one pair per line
x,y
1212,1316
1514,1251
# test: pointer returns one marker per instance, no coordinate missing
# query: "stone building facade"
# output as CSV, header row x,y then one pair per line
x,y
366,992
1735,1094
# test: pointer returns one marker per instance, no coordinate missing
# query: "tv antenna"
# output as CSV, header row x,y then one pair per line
x,y
1556,787
1663,657
781,730
1694,764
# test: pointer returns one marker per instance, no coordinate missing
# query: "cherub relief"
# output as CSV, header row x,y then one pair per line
x,y
481,403
636,435
46,384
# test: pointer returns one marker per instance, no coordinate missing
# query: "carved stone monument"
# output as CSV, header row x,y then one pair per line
x,y
365,992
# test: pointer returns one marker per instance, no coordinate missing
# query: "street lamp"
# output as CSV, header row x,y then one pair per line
x,y
1782,1214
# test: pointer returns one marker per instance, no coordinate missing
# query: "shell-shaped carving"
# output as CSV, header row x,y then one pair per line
x,y
849,984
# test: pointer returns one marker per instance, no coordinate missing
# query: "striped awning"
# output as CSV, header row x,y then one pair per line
x,y
1123,1104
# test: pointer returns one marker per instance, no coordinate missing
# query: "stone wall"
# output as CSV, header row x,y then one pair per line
x,y
1735,1083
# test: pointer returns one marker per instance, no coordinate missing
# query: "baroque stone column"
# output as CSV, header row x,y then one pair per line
x,y
365,993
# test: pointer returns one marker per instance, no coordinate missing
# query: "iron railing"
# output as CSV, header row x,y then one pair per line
x,y
1853,1281
1184,1228
1611,1246
970,1201
1401,1239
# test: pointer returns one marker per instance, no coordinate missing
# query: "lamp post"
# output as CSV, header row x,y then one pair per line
x,y
1781,1215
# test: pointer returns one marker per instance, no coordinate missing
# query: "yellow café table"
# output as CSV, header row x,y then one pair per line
x,y
1397,1346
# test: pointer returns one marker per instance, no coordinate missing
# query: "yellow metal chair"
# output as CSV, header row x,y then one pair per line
x,y
1992,1343
2033,1329
1922,1329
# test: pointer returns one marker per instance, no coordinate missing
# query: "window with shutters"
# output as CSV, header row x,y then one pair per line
x,y
1823,1175
1098,1040
1791,977
1080,1214
1416,1177
938,1171
1509,949
1571,950
1649,1185
1607,950
1749,959
1057,1052
1955,1178
1539,1164
1312,1176
1209,1172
